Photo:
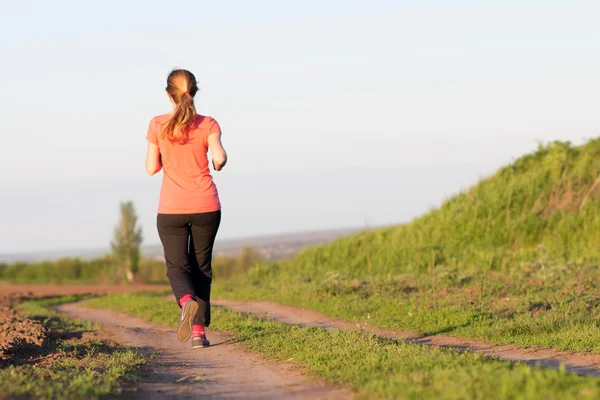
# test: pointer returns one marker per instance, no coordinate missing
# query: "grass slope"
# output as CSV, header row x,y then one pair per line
x,y
533,208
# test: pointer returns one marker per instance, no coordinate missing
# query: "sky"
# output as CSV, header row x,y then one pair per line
x,y
334,113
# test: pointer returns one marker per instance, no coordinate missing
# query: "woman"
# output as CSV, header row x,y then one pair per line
x,y
189,211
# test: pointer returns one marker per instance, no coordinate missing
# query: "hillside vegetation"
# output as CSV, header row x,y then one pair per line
x,y
544,207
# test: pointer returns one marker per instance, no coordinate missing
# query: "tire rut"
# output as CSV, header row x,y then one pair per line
x,y
579,363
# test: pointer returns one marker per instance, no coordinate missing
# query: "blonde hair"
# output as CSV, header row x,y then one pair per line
x,y
182,87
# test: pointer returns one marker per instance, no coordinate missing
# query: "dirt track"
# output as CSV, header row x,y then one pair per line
x,y
225,370
580,363
222,371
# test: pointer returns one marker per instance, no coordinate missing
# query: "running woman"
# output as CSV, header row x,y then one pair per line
x,y
189,210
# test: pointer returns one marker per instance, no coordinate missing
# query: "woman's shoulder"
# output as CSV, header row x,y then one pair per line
x,y
160,118
158,121
206,123
205,119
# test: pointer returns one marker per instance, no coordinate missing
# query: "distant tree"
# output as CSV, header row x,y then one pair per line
x,y
127,240
247,258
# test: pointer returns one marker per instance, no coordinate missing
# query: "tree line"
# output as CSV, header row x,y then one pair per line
x,y
124,265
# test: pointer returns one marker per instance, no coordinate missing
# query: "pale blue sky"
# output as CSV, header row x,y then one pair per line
x,y
334,113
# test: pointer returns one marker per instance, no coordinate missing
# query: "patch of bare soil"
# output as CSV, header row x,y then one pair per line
x,y
580,363
27,341
222,371
19,337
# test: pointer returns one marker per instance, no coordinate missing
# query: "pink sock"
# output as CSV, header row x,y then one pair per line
x,y
184,299
197,330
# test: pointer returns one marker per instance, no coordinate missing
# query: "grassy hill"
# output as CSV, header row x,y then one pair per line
x,y
543,207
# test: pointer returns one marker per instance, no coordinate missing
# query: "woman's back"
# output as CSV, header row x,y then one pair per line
x,y
187,186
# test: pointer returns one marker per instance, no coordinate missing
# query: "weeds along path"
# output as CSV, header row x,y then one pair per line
x,y
579,363
222,371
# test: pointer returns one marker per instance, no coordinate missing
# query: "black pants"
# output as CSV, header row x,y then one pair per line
x,y
188,241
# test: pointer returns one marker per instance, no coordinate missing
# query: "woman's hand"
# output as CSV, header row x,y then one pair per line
x,y
218,167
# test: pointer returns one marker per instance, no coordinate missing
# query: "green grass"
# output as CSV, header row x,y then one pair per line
x,y
554,307
91,375
372,366
70,368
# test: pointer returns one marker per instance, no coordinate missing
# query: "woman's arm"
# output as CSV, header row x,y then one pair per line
x,y
219,156
153,162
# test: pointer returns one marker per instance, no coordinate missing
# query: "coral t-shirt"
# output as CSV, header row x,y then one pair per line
x,y
187,185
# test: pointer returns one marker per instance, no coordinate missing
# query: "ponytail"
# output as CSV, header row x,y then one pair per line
x,y
182,87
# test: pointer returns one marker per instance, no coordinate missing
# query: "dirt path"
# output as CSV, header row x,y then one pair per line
x,y
223,371
580,363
